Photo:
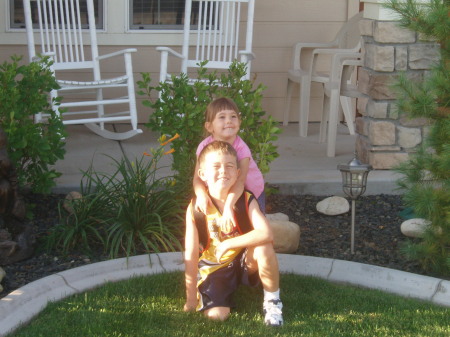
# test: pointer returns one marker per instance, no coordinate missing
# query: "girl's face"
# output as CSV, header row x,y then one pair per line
x,y
225,126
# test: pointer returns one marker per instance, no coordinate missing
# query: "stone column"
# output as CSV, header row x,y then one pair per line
x,y
386,138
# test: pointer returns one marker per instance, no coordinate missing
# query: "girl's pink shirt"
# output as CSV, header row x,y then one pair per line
x,y
255,181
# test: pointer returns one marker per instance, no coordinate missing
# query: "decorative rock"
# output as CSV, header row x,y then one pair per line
x,y
277,217
2,275
414,228
74,195
286,234
333,206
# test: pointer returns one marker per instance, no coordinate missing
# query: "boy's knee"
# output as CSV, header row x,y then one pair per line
x,y
264,251
218,313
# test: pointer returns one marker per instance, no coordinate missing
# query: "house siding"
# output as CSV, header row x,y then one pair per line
x,y
277,26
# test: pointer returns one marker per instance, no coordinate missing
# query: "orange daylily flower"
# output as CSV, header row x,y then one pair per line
x,y
171,139
147,154
170,151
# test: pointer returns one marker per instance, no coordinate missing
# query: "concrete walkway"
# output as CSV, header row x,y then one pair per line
x,y
20,306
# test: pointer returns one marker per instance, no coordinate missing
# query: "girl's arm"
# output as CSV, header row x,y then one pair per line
x,y
260,234
236,190
191,261
201,193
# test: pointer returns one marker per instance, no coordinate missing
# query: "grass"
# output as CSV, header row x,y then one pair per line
x,y
152,306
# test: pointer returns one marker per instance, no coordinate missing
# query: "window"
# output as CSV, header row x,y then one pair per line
x,y
159,14
18,17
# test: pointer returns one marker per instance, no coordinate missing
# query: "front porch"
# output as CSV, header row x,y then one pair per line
x,y
301,168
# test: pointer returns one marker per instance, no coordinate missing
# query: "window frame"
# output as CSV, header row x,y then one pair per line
x,y
100,20
132,27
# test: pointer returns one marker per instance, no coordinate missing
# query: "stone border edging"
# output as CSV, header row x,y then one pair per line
x,y
21,305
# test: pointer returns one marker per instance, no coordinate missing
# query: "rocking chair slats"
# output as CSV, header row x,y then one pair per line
x,y
66,33
218,36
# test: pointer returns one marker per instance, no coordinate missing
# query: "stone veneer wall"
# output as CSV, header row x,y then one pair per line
x,y
386,138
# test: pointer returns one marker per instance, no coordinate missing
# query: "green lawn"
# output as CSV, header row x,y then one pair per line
x,y
152,306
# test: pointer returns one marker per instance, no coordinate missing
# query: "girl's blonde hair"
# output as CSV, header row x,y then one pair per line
x,y
217,105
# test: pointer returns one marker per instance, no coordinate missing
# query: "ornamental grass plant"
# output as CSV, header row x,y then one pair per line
x,y
130,211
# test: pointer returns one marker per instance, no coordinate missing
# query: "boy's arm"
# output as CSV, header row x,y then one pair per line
x,y
201,193
236,190
260,234
191,261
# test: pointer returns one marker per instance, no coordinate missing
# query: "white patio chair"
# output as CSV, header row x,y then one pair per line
x,y
346,37
217,27
68,35
339,90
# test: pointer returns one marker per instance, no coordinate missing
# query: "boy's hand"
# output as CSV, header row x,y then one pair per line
x,y
190,306
202,202
221,249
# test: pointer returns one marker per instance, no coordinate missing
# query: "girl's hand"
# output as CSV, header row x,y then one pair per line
x,y
202,202
227,223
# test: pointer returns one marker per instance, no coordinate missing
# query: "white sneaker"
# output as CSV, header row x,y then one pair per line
x,y
273,315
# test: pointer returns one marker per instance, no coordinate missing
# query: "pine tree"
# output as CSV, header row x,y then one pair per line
x,y
426,175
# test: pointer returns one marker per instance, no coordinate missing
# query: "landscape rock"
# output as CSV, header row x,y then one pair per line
x,y
333,206
286,234
414,228
277,217
68,201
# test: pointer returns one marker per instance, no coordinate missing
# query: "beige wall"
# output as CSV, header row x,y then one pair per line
x,y
277,26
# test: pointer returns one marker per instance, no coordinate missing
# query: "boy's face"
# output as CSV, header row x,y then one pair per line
x,y
219,171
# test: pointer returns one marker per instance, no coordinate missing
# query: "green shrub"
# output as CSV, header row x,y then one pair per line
x,y
127,212
180,110
32,147
426,175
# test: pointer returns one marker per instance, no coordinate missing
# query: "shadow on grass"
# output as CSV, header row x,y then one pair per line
x,y
152,306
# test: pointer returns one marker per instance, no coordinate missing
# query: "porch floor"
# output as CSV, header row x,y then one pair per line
x,y
301,168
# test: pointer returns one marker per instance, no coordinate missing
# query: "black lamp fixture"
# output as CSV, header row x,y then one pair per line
x,y
354,182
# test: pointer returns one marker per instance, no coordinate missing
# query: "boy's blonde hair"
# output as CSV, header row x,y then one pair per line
x,y
217,105
217,146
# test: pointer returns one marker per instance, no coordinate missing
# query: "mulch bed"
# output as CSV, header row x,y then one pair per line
x,y
377,237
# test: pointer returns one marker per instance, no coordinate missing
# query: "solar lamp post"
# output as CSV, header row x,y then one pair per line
x,y
354,182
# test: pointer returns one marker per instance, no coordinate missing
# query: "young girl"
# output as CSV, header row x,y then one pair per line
x,y
222,122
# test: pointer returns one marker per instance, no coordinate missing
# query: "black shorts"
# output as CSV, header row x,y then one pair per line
x,y
218,288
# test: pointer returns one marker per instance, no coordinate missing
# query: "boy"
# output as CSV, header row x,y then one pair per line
x,y
230,255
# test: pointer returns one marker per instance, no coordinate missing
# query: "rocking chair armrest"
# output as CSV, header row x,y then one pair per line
x,y
170,51
117,53
38,57
250,55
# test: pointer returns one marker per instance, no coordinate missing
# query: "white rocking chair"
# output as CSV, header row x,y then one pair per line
x,y
62,28
302,71
215,25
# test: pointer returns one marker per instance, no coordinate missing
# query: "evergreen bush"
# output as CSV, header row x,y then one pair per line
x,y
426,175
